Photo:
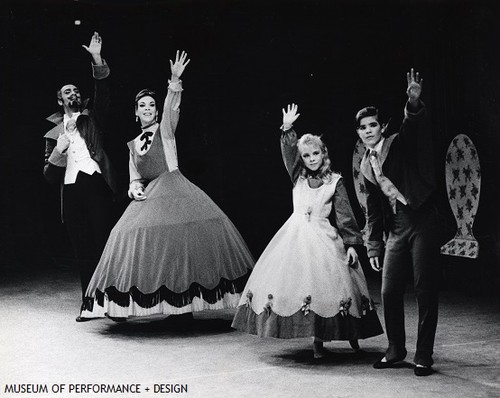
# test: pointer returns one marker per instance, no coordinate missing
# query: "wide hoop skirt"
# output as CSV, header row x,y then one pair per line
x,y
173,253
302,286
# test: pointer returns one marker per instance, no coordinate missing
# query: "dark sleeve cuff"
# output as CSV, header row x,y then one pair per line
x,y
374,249
100,71
415,114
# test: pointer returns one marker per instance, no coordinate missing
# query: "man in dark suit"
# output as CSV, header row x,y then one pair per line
x,y
399,179
74,158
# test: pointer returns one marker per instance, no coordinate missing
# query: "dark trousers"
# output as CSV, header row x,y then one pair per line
x,y
411,246
88,217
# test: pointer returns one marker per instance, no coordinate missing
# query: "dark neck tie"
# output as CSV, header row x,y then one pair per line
x,y
145,137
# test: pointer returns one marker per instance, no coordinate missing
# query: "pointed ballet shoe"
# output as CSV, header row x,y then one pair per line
x,y
380,364
423,370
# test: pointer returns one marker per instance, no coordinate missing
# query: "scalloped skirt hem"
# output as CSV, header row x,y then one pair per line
x,y
93,309
299,325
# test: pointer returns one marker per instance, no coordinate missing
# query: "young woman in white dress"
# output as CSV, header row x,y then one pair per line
x,y
308,282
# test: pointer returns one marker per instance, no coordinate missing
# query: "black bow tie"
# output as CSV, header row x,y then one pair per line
x,y
145,137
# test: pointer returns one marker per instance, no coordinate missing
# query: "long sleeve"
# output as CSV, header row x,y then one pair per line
x,y
136,180
169,121
132,169
374,220
101,93
410,133
55,163
344,216
417,179
290,153
171,110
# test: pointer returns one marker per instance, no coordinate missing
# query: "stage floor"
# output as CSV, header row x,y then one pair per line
x,y
42,347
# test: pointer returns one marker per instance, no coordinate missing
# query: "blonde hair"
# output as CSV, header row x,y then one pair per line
x,y
325,172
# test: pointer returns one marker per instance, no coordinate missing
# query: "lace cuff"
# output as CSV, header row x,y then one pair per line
x,y
175,86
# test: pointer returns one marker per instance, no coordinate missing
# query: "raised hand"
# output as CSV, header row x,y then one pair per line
x,y
290,115
415,84
179,65
95,45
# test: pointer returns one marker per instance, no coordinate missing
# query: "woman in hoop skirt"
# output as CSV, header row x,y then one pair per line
x,y
173,251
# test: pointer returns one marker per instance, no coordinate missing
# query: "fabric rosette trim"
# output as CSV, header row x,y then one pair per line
x,y
269,305
306,305
344,306
306,323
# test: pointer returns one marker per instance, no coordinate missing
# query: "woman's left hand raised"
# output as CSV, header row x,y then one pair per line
x,y
179,65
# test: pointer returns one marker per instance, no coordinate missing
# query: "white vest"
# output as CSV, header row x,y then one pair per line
x,y
79,158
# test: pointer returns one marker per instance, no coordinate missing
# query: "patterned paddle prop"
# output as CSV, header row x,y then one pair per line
x,y
463,183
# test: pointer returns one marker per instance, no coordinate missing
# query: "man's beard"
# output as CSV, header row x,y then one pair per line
x,y
75,105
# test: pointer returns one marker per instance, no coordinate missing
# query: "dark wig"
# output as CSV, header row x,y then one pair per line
x,y
144,93
365,112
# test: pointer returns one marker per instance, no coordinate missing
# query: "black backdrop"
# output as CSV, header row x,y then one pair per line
x,y
248,60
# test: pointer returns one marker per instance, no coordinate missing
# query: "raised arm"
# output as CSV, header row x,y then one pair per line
x,y
170,117
417,140
289,150
415,111
100,72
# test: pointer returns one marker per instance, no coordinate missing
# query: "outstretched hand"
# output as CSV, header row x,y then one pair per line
x,y
415,84
95,46
179,65
290,115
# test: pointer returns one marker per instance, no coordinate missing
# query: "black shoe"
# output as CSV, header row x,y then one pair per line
x,y
354,345
422,370
80,318
387,364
